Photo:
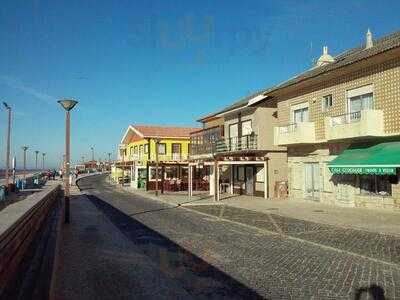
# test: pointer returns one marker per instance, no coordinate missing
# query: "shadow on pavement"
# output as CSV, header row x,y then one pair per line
x,y
195,275
377,293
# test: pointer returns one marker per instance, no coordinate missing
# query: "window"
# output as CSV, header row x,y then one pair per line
x,y
162,148
260,174
171,172
233,130
240,173
327,103
146,148
141,150
299,113
130,150
135,150
246,128
153,173
359,103
360,98
375,185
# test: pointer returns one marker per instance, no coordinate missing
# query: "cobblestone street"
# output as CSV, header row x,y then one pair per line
x,y
373,245
277,257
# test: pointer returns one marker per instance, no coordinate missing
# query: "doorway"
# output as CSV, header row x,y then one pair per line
x,y
176,151
250,181
311,188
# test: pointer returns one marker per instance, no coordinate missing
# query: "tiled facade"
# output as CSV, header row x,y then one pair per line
x,y
385,78
342,190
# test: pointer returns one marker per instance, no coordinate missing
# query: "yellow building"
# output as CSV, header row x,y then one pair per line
x,y
137,156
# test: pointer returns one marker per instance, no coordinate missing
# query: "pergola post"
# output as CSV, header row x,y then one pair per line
x,y
266,179
211,179
231,168
216,181
190,183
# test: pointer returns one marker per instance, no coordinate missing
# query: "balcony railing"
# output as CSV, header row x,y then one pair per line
x,y
199,149
202,142
355,125
288,128
346,118
246,142
169,157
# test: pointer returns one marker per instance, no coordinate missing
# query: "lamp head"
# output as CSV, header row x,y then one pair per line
x,y
68,104
6,105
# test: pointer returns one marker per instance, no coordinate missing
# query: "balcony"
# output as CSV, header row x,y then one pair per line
x,y
244,143
363,123
296,133
168,157
205,150
203,142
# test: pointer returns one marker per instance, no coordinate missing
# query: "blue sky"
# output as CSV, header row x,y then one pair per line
x,y
157,62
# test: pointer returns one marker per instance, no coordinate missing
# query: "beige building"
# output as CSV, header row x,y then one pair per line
x,y
340,123
235,151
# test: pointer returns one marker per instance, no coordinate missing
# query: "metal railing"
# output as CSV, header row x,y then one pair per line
x,y
246,142
169,157
346,118
206,148
203,141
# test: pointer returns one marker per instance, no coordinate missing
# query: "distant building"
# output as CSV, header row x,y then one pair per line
x,y
137,156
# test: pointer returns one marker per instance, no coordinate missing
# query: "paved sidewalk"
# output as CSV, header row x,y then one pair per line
x,y
373,220
98,262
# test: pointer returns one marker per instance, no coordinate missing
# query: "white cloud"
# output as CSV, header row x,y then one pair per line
x,y
19,85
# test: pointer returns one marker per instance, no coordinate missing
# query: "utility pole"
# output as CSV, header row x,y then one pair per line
x,y
24,148
8,108
36,159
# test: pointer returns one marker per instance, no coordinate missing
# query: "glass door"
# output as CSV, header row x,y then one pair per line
x,y
233,136
249,180
176,151
311,188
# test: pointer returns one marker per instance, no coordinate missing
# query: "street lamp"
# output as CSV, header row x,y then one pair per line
x,y
8,108
91,148
36,152
68,105
157,143
43,155
24,148
83,160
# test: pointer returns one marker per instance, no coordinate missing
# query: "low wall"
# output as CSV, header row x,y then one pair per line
x,y
19,224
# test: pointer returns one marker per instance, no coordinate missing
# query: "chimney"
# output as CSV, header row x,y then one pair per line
x,y
325,58
369,43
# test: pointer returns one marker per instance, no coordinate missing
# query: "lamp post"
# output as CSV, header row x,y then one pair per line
x,y
24,148
92,148
109,160
8,108
68,105
83,160
157,143
43,155
36,157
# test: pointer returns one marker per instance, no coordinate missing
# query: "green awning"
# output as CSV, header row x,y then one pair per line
x,y
381,159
